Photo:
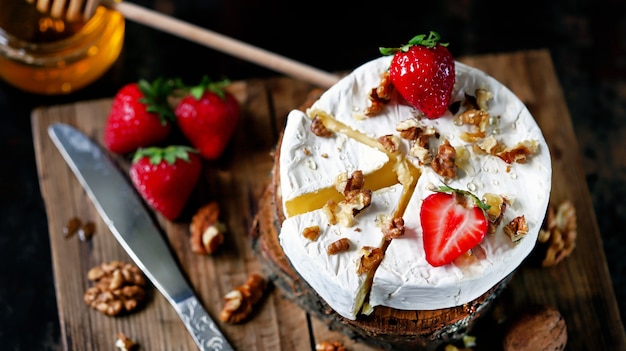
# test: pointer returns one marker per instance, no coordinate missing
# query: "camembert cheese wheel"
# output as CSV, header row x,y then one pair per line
x,y
344,250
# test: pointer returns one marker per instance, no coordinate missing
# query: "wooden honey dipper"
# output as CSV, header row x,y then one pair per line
x,y
86,8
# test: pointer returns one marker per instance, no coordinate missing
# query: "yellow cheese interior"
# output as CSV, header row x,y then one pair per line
x,y
380,178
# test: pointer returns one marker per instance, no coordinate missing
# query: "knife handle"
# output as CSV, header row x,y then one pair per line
x,y
202,327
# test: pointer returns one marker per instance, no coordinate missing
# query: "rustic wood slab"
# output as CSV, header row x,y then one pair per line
x,y
579,287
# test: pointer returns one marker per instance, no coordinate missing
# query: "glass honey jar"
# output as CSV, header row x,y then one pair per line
x,y
45,55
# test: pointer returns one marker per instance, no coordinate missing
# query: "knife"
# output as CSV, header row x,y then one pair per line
x,y
125,214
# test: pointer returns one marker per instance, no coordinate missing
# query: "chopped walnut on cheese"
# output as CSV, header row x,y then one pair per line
x,y
380,95
370,258
318,128
444,162
495,213
356,199
338,246
520,152
312,232
517,228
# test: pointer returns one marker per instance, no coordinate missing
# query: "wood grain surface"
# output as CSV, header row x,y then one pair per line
x,y
579,287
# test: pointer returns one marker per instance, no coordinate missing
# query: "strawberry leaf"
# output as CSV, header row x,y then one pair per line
x,y
170,154
155,98
428,41
207,85
448,189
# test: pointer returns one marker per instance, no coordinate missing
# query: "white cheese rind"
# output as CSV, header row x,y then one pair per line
x,y
334,277
404,279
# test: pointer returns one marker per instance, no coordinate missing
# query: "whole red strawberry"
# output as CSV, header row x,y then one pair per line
x,y
453,222
423,72
139,116
165,177
208,117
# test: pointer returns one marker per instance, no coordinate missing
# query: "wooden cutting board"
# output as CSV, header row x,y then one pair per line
x,y
579,287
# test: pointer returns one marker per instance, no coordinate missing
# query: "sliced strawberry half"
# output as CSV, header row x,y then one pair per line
x,y
453,222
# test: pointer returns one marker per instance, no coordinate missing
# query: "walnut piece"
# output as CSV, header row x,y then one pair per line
x,y
559,233
345,183
345,211
483,96
119,288
338,246
495,213
390,142
239,302
356,199
476,114
517,228
520,152
207,233
443,163
538,328
74,226
329,346
409,129
312,232
421,146
380,96
370,258
318,128
124,343
394,229
489,145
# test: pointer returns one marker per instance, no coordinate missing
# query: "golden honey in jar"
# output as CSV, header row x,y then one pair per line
x,y
45,55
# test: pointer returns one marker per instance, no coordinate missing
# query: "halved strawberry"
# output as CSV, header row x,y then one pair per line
x,y
423,72
165,177
453,222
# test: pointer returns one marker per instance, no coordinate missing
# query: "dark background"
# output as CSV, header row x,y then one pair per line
x,y
587,41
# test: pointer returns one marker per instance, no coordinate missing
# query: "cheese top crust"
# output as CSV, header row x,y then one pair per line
x,y
309,167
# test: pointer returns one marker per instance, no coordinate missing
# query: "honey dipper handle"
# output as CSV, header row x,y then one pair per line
x,y
224,43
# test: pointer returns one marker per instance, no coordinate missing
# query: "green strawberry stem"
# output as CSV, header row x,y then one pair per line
x,y
207,84
157,92
170,154
155,98
428,41
477,201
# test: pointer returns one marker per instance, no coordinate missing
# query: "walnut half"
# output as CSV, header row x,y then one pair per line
x,y
338,246
119,288
239,302
443,163
558,233
370,258
517,228
207,233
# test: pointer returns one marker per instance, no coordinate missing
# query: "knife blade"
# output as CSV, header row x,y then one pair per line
x,y
125,214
